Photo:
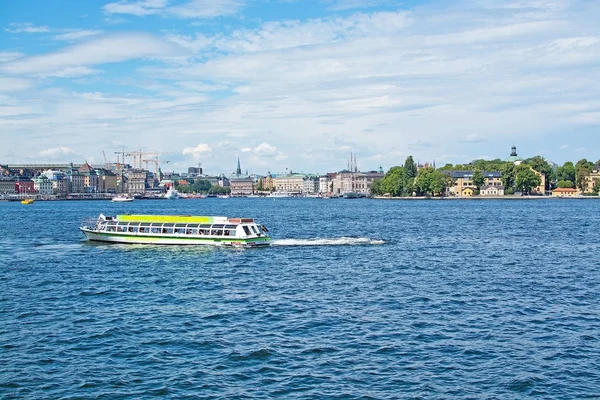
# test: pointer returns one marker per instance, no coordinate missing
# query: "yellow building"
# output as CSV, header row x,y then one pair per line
x,y
542,188
291,183
467,192
591,181
464,179
565,192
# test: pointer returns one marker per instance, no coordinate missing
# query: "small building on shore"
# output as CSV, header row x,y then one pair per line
x,y
491,191
565,192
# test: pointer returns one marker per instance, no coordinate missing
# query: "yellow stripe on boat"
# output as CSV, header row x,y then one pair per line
x,y
184,219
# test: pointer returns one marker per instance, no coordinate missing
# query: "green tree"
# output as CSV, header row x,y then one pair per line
x,y
216,189
394,181
430,182
526,179
376,187
508,172
410,168
567,172
201,186
540,164
478,179
565,184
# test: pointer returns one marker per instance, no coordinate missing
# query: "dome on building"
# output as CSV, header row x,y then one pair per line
x,y
514,158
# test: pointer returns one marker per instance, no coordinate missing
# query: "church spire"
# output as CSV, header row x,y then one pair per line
x,y
238,171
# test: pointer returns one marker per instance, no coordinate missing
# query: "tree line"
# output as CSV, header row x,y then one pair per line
x,y
202,186
407,180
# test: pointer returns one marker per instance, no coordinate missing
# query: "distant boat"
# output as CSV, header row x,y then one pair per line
x,y
281,194
223,196
351,195
172,194
122,198
27,201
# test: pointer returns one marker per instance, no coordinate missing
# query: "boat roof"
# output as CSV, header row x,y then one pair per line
x,y
186,219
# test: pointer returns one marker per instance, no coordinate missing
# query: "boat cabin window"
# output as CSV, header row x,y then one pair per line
x,y
247,230
254,229
230,227
229,232
217,232
218,226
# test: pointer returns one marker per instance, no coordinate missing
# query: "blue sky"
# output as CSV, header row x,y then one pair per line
x,y
299,85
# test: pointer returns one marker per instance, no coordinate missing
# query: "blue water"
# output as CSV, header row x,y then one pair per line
x,y
355,299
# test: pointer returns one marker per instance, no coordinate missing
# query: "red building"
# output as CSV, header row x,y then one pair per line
x,y
24,187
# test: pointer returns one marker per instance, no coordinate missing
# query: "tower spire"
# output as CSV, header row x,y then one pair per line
x,y
238,171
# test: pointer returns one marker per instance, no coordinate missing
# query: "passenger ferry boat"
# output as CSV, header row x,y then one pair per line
x,y
179,230
122,198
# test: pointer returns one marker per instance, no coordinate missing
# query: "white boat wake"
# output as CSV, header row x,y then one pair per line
x,y
341,241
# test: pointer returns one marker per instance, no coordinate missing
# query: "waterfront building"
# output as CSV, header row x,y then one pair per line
x,y
108,181
310,184
565,192
267,182
355,182
8,185
592,180
60,185
136,182
91,181
242,186
24,186
290,183
464,179
467,192
491,191
325,182
541,189
42,185
77,182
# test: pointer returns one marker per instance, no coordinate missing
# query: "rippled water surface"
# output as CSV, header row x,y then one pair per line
x,y
357,298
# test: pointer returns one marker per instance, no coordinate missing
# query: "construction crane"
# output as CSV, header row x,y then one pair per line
x,y
154,160
106,163
121,153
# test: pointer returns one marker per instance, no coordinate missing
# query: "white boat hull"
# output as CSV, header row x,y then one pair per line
x,y
140,238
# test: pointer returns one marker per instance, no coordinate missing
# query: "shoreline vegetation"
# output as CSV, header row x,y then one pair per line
x,y
477,198
511,178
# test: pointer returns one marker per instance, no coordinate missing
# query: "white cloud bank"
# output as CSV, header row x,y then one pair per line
x,y
441,81
107,49
197,152
189,9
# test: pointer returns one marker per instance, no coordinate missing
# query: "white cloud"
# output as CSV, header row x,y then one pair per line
x,y
7,56
139,8
246,149
189,9
26,27
198,151
14,84
56,152
70,72
107,49
265,149
77,34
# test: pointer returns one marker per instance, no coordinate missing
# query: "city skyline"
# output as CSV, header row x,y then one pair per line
x,y
285,85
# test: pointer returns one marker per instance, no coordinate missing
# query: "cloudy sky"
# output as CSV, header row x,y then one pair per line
x,y
299,84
